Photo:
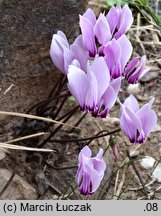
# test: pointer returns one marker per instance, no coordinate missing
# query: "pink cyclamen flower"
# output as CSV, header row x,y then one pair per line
x,y
136,69
62,54
117,54
92,88
137,123
90,171
87,22
114,24
120,20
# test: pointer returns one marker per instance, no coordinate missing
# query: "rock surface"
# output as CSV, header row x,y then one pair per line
x,y
147,162
26,28
18,189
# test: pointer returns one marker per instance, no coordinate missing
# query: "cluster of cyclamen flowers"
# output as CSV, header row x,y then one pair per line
x,y
95,65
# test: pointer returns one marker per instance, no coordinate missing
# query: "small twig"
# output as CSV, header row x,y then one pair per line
x,y
139,188
78,122
47,101
26,137
8,183
88,138
59,127
120,186
59,108
151,194
138,174
17,147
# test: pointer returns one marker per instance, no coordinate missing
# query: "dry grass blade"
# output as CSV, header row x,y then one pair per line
x,y
116,183
26,137
151,194
17,147
36,117
120,186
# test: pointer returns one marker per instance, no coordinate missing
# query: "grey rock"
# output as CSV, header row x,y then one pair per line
x,y
26,28
18,189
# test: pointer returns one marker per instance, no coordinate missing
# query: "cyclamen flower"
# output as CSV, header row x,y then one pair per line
x,y
87,22
120,20
62,54
136,69
92,88
90,171
117,54
114,24
137,123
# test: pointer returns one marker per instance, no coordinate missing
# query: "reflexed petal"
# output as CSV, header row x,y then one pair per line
x,y
99,166
112,18
136,121
148,118
81,55
112,53
150,103
109,97
56,53
90,15
79,175
68,58
63,36
94,177
86,151
78,84
116,84
92,93
127,126
126,49
101,72
99,154
88,35
102,30
79,41
125,21
131,103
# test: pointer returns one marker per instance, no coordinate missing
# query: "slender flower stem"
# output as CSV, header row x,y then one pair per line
x,y
67,114
95,137
78,122
52,108
58,83
59,127
87,138
59,108
45,102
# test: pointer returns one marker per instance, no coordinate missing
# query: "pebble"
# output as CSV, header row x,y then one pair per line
x,y
147,162
133,88
18,189
156,175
